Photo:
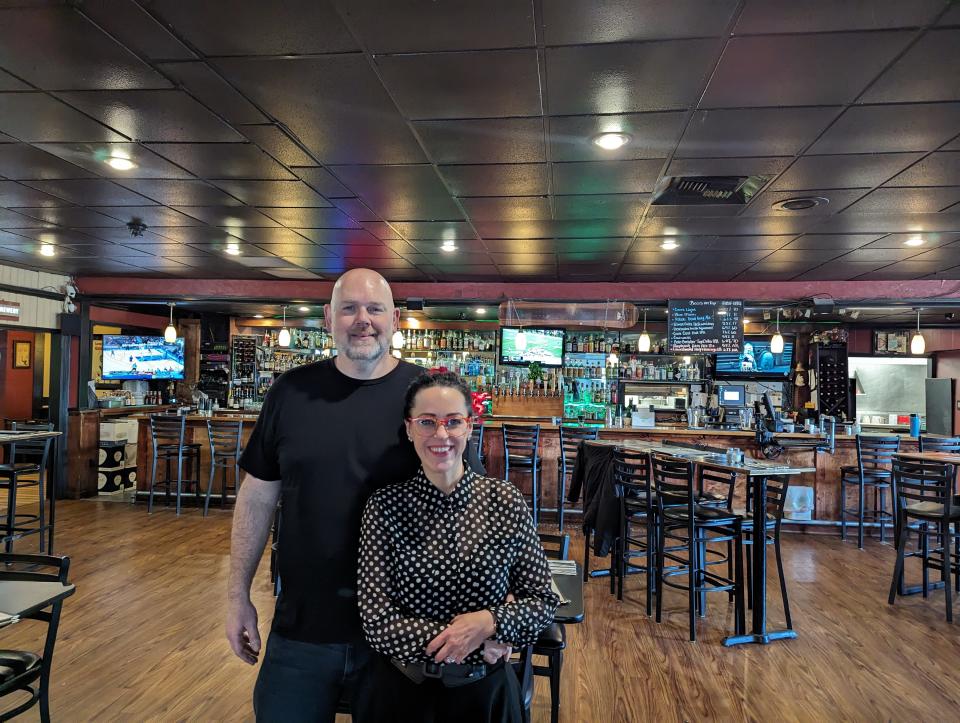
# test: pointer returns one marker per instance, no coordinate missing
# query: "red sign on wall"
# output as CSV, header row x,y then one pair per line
x,y
10,310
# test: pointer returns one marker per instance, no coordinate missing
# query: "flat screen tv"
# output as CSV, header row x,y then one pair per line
x,y
141,357
755,360
537,345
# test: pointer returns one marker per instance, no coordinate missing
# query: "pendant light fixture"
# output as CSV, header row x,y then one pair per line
x,y
776,343
520,340
918,344
170,333
397,340
643,343
283,338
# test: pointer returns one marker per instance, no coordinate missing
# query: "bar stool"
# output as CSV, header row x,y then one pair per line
x,y
924,492
631,475
224,437
168,433
934,443
16,475
553,639
476,439
521,450
570,438
874,455
693,526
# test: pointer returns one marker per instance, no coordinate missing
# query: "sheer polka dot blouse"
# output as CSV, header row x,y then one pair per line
x,y
426,557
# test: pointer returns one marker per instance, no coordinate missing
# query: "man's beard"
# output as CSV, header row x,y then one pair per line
x,y
368,354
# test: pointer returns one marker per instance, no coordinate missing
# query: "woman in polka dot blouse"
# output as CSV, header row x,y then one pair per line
x,y
438,556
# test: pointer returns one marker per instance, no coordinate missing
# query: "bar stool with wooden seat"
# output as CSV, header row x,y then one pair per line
x,y
692,527
521,451
225,438
570,438
924,491
168,434
19,473
874,455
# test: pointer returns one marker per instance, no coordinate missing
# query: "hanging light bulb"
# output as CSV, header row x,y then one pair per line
x,y
613,359
170,333
643,344
283,338
397,339
776,343
918,344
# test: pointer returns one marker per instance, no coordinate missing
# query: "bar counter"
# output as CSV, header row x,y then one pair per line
x,y
825,481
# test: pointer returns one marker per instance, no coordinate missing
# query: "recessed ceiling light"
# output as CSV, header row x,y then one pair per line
x,y
448,246
258,316
611,141
120,161
304,308
801,203
48,250
669,244
480,310
914,241
233,249
413,322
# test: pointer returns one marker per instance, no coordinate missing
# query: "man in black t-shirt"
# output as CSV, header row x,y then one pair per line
x,y
329,434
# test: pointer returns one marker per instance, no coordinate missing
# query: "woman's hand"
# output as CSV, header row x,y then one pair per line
x,y
494,652
462,636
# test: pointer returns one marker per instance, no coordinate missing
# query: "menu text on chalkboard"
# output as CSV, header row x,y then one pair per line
x,y
703,326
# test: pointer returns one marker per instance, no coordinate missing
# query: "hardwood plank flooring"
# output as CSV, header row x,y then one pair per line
x,y
143,637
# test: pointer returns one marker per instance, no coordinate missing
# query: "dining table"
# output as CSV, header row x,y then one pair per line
x,y
756,472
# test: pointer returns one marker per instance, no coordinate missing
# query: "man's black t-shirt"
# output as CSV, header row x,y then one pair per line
x,y
332,441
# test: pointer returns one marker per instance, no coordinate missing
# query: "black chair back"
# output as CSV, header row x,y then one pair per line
x,y
928,485
631,473
720,483
37,450
225,437
934,443
521,441
556,547
673,481
476,437
570,438
874,454
168,430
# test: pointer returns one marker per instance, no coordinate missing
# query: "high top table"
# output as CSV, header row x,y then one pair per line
x,y
756,471
10,438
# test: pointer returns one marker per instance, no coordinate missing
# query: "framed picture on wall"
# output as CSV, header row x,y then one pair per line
x,y
22,354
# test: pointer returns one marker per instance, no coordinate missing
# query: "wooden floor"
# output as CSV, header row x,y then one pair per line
x,y
143,637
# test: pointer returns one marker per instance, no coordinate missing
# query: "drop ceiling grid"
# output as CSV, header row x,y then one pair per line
x,y
593,45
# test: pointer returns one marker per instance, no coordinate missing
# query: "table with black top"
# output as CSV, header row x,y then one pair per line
x,y
10,438
19,598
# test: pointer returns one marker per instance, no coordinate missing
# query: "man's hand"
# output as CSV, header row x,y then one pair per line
x,y
242,630
494,652
462,636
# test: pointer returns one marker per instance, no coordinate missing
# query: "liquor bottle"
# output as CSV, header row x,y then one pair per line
x,y
443,341
576,345
568,347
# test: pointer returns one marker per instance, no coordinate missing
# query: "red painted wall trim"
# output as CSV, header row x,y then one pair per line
x,y
119,317
127,287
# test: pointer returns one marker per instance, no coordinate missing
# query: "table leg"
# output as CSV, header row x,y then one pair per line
x,y
51,496
758,630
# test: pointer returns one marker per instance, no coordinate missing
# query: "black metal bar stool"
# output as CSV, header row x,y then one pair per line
x,y
691,527
168,433
934,443
521,451
570,438
631,475
16,475
553,639
874,455
225,438
924,492
476,439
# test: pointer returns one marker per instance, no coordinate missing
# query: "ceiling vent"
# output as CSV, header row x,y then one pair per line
x,y
702,190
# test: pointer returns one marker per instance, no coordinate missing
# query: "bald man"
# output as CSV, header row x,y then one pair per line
x,y
329,435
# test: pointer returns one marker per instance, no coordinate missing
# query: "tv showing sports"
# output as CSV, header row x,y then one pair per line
x,y
755,359
141,357
532,345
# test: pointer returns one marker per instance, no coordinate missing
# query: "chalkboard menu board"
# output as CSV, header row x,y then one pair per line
x,y
701,326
